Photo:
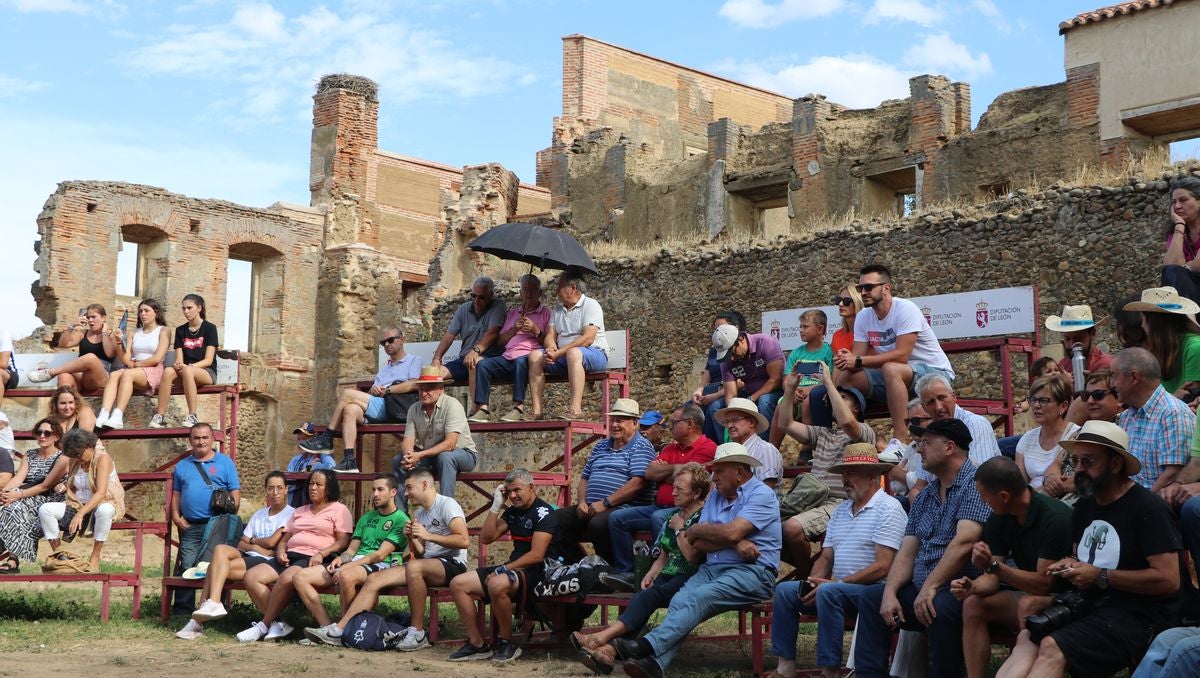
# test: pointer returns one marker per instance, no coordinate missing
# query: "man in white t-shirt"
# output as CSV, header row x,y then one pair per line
x,y
893,347
575,343
8,365
437,536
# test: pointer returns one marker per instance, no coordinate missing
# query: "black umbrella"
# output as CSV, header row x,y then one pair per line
x,y
535,245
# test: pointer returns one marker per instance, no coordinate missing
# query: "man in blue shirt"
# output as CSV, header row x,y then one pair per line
x,y
945,522
738,539
191,504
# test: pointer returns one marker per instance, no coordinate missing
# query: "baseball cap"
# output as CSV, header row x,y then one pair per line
x,y
306,429
951,429
723,339
650,418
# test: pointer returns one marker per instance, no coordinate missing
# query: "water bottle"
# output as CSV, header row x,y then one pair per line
x,y
1077,367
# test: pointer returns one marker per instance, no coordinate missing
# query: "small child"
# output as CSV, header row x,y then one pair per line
x,y
813,350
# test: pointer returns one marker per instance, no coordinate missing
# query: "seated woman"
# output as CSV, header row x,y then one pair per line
x,y
1038,449
313,537
666,576
8,451
97,349
92,487
195,361
143,359
71,411
31,486
521,333
255,552
1180,269
1171,335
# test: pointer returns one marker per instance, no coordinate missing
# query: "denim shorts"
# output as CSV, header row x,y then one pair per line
x,y
878,392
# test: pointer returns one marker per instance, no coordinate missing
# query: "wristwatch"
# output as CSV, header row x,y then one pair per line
x,y
477,350
994,567
1102,582
858,363
607,503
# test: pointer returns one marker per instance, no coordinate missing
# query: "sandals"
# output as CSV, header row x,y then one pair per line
x,y
9,564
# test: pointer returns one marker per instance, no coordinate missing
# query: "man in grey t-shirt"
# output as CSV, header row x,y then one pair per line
x,y
437,435
477,323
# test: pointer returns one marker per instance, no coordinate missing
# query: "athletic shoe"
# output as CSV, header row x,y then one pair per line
x,y
469,652
279,629
209,611
322,442
894,452
256,632
158,421
40,376
116,420
411,643
102,419
200,571
622,582
481,416
347,465
190,421
513,415
191,631
505,652
327,635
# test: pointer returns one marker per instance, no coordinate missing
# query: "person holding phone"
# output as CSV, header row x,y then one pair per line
x,y
804,360
97,351
195,361
143,361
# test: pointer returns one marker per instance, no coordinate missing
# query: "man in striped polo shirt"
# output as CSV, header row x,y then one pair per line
x,y
861,540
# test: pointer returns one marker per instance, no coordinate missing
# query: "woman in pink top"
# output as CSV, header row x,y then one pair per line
x,y
521,333
314,536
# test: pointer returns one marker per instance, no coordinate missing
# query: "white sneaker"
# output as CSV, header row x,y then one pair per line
x,y
279,629
40,376
209,611
411,642
324,635
158,421
191,631
190,421
894,452
256,631
102,419
116,420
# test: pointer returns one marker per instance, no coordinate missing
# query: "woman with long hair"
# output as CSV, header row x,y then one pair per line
x,y
143,364
71,411
33,484
849,302
97,350
1181,267
1171,334
195,361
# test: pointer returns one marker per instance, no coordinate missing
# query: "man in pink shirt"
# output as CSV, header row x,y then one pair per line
x,y
521,333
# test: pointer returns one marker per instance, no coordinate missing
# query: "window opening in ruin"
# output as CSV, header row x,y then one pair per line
x,y
1185,149
772,218
129,269
892,193
239,305
995,190
907,203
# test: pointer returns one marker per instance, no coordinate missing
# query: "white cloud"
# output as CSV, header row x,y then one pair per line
x,y
913,11
760,14
939,53
993,14
63,6
11,87
854,80
272,60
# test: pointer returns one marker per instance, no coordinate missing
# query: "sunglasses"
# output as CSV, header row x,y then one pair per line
x,y
388,341
1086,462
843,301
917,421
44,432
867,287
1096,395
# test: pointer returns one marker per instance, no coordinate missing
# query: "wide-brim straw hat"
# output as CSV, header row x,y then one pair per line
x,y
1163,300
743,406
734,453
1105,434
861,455
625,407
1073,319
431,375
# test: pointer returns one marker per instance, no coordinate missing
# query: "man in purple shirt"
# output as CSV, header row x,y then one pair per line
x,y
751,367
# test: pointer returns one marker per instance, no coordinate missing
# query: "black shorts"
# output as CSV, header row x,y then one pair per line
x,y
533,574
299,560
252,561
1110,638
376,567
452,567
14,379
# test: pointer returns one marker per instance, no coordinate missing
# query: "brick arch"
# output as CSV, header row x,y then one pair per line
x,y
138,228
255,244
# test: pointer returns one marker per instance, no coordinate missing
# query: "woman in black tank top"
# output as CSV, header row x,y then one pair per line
x,y
97,347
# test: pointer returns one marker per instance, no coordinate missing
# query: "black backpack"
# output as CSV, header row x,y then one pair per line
x,y
370,631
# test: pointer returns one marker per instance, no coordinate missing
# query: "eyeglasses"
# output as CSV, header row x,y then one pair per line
x,y
44,432
479,296
1096,395
843,301
736,417
672,422
1086,462
1040,402
867,287
387,341
917,421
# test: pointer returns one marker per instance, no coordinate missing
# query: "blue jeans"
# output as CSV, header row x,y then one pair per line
x,y
646,601
712,590
1174,652
444,466
1008,445
874,637
766,407
191,541
1189,526
1184,280
624,522
499,367
834,602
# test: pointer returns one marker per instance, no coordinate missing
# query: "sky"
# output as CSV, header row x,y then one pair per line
x,y
213,98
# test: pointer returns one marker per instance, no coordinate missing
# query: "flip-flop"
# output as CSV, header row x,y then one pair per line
x,y
9,564
598,667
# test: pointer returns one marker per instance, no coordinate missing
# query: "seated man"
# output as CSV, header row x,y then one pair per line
x,y
689,444
575,343
535,537
1077,327
399,375
863,536
751,369
744,423
893,348
738,540
653,427
436,436
828,444
437,536
1125,575
477,323
1029,528
1174,652
377,544
1159,425
945,521
904,476
941,402
520,334
613,477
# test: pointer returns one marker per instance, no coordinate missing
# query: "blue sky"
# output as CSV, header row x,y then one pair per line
x,y
213,98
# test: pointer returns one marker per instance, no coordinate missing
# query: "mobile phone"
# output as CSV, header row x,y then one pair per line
x,y
805,587
124,320
806,367
83,310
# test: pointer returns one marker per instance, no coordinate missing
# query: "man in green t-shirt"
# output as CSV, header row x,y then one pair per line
x,y
377,544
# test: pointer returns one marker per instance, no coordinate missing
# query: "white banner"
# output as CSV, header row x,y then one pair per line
x,y
986,313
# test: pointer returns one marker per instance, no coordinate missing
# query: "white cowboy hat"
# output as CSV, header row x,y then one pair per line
x,y
743,406
625,407
1163,300
1105,434
1073,319
734,453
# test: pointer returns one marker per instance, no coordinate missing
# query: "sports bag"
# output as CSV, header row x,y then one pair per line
x,y
370,631
576,580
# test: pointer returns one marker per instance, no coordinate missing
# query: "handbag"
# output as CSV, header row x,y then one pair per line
x,y
222,501
396,406
64,523
64,562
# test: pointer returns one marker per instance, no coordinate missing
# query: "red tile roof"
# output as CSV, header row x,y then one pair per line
x,y
1112,11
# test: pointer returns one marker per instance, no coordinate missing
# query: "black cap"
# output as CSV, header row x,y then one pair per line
x,y
951,429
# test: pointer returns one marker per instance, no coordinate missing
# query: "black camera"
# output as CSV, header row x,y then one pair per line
x,y
1064,608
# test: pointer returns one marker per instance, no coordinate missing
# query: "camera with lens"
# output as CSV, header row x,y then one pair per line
x,y
1064,608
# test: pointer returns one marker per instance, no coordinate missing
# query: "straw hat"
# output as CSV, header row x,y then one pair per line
x,y
734,453
431,375
1073,319
861,455
625,407
1105,434
1163,300
743,406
